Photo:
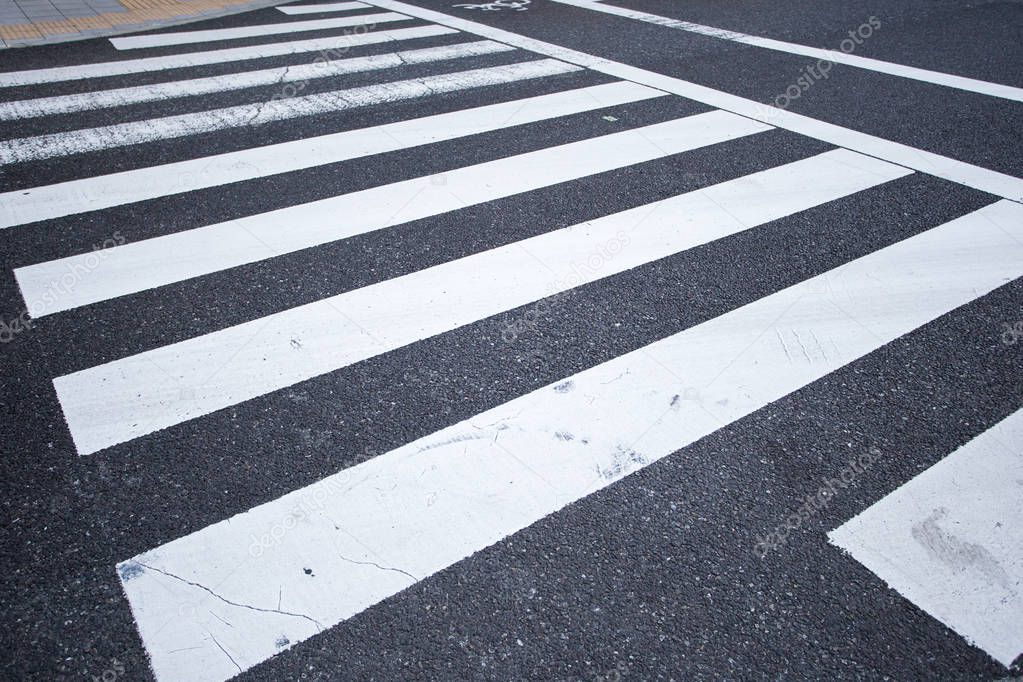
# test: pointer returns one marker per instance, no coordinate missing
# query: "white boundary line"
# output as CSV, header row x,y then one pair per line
x,y
836,56
986,180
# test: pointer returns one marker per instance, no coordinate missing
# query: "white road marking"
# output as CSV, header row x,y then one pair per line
x,y
951,539
210,35
337,547
329,46
836,56
940,166
337,331
99,99
90,194
203,250
318,9
24,149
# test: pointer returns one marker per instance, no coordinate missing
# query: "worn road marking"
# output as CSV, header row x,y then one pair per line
x,y
330,46
210,35
319,9
94,193
101,99
24,149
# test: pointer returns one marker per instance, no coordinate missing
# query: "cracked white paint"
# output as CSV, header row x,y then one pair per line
x,y
210,35
131,397
421,509
115,189
951,540
20,150
118,97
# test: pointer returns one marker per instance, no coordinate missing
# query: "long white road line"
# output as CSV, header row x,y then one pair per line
x,y
199,251
373,530
319,9
211,35
126,398
25,149
100,99
332,46
835,56
951,539
94,193
940,166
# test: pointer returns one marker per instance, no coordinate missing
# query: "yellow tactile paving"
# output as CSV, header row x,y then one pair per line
x,y
138,12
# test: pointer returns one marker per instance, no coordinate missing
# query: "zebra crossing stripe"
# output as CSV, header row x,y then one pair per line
x,y
99,99
94,193
329,46
127,398
211,35
949,540
85,140
225,598
318,9
200,251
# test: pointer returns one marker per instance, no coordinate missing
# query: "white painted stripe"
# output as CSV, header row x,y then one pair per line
x,y
91,194
331,46
24,149
317,9
373,530
940,166
835,56
210,35
200,251
100,99
951,540
127,398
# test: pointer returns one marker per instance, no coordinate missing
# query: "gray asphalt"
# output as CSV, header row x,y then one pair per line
x,y
653,577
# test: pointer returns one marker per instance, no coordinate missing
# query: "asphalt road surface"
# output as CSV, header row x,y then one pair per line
x,y
527,339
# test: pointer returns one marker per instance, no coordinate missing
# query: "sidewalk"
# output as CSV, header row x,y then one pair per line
x,y
34,22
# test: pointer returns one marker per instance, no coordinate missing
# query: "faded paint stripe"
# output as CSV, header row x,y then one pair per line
x,y
319,9
118,97
329,46
85,140
211,35
95,193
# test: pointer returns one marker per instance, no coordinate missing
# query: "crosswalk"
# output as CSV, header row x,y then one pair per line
x,y
534,126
